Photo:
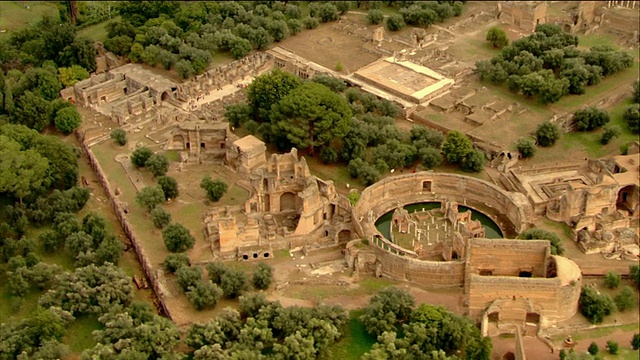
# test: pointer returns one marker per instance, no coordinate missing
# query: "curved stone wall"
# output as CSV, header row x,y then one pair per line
x,y
508,210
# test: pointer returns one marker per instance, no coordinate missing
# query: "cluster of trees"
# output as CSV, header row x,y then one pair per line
x,y
32,99
134,332
36,62
184,35
222,280
34,164
596,306
158,164
631,114
416,13
344,124
429,332
89,290
547,65
265,330
37,336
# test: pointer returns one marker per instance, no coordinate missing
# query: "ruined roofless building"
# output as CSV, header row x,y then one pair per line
x,y
523,14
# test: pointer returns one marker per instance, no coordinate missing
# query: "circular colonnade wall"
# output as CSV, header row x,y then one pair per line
x,y
510,211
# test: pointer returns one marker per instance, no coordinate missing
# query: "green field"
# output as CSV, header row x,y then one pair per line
x,y
14,14
97,32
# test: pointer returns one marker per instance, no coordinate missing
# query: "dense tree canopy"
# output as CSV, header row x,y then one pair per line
x,y
146,335
95,289
186,35
311,116
266,327
429,332
547,64
267,90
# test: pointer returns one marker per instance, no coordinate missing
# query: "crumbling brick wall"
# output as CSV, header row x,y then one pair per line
x,y
152,276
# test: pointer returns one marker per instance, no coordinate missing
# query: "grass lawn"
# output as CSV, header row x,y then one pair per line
x,y
97,32
80,333
14,15
355,342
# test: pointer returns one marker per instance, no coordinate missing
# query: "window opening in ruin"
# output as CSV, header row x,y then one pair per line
x,y
486,272
245,257
255,255
222,145
426,186
551,269
324,216
525,274
266,254
454,255
532,318
326,233
493,317
173,88
202,145
188,145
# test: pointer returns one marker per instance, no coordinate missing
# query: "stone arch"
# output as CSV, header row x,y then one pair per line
x,y
165,96
509,355
627,198
344,236
178,142
288,201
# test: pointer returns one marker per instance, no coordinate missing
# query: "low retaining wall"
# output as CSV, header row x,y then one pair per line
x,y
126,226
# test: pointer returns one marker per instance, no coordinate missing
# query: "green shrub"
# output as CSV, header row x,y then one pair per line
x,y
526,147
119,136
612,280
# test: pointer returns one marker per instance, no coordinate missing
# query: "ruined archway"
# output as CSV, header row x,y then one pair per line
x,y
288,202
627,198
165,96
178,142
344,237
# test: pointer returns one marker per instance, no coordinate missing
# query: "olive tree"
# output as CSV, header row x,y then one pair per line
x,y
177,238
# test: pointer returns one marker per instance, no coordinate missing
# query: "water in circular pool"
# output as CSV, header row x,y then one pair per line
x,y
492,230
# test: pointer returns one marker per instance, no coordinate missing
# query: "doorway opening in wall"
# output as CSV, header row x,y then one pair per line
x,y
525,274
509,356
532,318
203,146
165,96
454,255
188,145
493,317
485,272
